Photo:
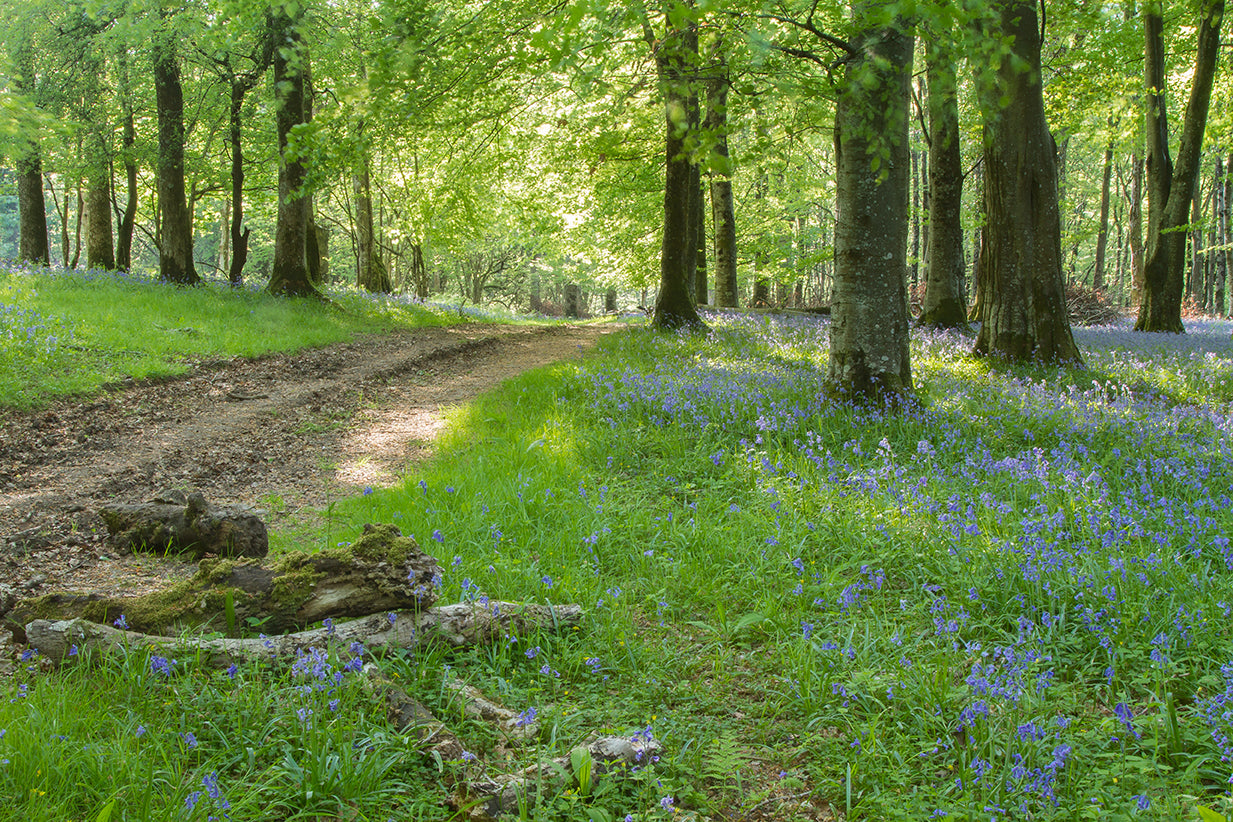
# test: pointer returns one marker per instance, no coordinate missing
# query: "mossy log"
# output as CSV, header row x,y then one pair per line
x,y
458,625
381,571
175,522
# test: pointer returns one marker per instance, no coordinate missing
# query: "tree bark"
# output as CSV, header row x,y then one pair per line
x,y
869,329
943,305
1170,188
723,214
698,208
1022,291
289,275
675,58
1102,236
460,625
128,219
176,229
32,244
371,274
100,250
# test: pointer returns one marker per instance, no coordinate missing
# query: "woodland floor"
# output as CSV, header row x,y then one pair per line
x,y
286,434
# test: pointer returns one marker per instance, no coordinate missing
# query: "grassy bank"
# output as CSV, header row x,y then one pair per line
x,y
1011,603
69,332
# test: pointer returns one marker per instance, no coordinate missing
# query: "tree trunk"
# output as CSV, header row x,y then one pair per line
x,y
699,211
419,271
81,209
916,212
371,274
943,305
573,308
869,328
674,306
1198,259
176,230
100,251
723,215
1022,291
32,245
128,220
1170,188
1102,236
289,275
1225,258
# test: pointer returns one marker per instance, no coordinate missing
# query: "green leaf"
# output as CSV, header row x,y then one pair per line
x,y
105,814
1208,815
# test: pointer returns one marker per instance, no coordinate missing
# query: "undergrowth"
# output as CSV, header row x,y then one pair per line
x,y
1011,603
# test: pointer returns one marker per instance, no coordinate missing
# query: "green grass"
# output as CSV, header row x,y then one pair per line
x,y
1012,603
64,333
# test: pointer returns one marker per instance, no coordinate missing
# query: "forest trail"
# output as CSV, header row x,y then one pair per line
x,y
286,433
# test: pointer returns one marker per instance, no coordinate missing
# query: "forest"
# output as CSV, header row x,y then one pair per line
x,y
896,485
503,152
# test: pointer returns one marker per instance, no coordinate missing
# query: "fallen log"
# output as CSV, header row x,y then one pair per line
x,y
174,521
488,799
381,571
458,625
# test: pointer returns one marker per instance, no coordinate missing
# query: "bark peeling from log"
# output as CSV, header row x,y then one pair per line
x,y
457,625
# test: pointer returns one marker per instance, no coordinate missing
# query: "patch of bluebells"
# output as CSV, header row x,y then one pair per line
x,y
1079,514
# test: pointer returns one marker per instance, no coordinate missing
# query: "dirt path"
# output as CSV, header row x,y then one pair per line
x,y
288,432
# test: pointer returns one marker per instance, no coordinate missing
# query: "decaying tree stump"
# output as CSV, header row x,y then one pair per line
x,y
381,571
186,523
458,625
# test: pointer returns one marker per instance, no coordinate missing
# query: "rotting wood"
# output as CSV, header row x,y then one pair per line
x,y
381,571
458,625
176,522
489,798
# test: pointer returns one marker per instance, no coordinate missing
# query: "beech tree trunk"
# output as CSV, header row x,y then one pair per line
x,y
371,274
1022,290
943,305
869,309
1170,188
676,58
723,214
128,219
289,275
176,229
32,244
1102,236
100,250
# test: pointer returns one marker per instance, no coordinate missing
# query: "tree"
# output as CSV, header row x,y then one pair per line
x,y
723,214
869,330
289,275
676,59
1170,188
1022,291
943,305
175,247
33,244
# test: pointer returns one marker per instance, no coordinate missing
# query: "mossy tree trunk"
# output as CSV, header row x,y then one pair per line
x,y
1169,187
869,331
1022,297
290,274
175,246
